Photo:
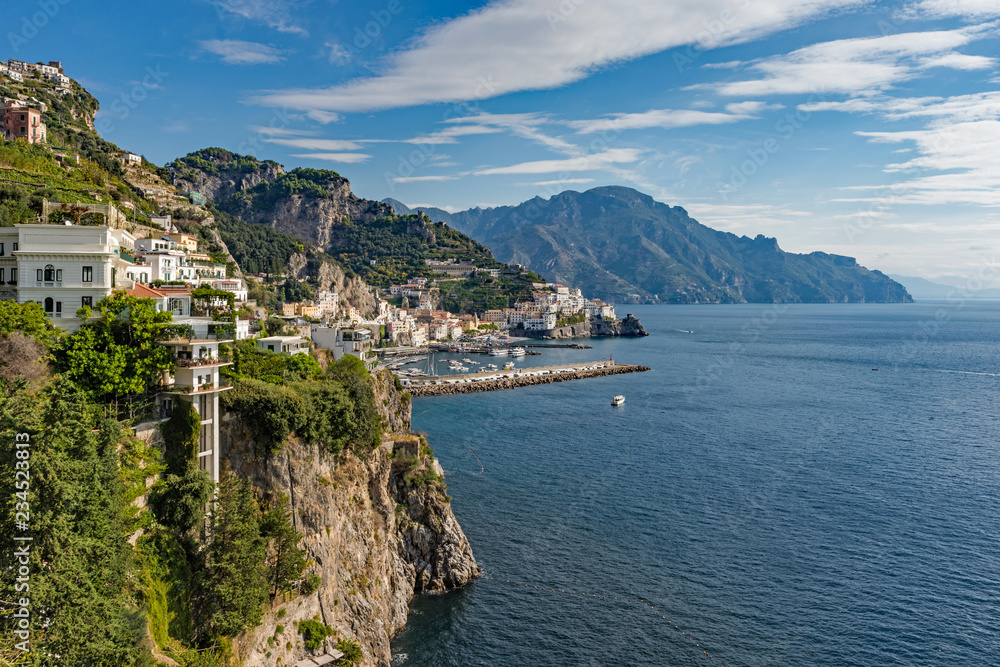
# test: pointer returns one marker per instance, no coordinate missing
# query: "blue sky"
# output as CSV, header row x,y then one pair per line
x,y
870,129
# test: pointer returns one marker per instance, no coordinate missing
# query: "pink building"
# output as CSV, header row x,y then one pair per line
x,y
23,122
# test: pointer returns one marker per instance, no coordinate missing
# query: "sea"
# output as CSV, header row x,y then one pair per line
x,y
788,485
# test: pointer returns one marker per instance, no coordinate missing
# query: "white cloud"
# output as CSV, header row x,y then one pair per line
x,y
318,144
664,118
347,158
475,57
322,117
337,54
450,135
959,61
558,181
855,66
424,179
276,14
752,107
238,52
279,131
524,125
967,150
581,163
956,156
972,9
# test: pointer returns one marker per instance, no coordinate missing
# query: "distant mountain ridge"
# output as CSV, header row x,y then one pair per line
x,y
623,246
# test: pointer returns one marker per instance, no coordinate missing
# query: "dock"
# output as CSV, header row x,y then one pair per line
x,y
518,377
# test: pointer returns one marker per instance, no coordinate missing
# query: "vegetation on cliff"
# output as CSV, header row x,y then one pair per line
x,y
382,248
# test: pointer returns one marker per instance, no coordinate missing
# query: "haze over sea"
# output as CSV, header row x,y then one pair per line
x,y
763,488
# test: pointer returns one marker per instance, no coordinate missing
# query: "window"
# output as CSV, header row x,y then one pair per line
x,y
15,247
48,304
58,307
50,273
13,275
1,275
38,275
87,301
88,274
58,275
1,249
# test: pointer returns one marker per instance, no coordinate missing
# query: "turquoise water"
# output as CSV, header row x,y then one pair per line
x,y
763,488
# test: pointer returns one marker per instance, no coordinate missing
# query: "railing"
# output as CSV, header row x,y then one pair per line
x,y
224,383
48,283
203,361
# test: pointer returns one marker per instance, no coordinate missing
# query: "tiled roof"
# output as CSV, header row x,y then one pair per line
x,y
142,291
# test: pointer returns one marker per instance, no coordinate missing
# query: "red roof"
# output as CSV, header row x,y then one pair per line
x,y
142,291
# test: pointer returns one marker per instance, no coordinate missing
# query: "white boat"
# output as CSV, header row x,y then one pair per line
x,y
618,400
492,367
468,361
517,352
498,352
509,365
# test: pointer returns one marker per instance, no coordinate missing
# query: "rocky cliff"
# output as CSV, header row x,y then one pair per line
x,y
629,326
307,203
376,530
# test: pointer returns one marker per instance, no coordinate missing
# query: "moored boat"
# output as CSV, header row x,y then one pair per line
x,y
618,400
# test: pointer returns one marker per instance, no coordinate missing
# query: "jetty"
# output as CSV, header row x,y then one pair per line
x,y
510,379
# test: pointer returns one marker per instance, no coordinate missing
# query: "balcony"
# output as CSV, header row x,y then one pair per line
x,y
221,360
48,283
189,390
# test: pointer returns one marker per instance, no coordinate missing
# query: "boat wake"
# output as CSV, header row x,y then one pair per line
x,y
995,375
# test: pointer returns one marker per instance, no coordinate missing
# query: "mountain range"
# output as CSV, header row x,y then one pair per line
x,y
621,245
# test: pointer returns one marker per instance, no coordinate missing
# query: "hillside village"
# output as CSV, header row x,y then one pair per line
x,y
143,237
189,323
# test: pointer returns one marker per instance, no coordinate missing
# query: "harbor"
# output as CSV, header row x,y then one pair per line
x,y
495,380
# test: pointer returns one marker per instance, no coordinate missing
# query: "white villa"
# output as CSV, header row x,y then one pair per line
x,y
286,344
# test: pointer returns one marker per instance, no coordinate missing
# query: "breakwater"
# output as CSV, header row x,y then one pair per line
x,y
457,384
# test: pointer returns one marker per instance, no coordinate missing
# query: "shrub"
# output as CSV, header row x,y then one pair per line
x,y
311,583
314,632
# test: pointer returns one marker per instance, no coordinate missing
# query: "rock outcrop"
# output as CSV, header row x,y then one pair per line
x,y
226,182
599,326
376,530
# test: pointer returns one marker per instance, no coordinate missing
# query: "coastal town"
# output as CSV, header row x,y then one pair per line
x,y
67,267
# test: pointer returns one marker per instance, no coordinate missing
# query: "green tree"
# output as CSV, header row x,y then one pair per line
x,y
236,578
179,501
81,562
287,560
273,326
118,355
29,319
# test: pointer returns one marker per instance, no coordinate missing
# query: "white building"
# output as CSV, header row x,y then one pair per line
x,y
284,344
62,267
356,342
196,380
233,285
540,322
327,303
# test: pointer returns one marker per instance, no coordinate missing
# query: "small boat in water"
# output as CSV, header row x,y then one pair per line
x,y
498,352
618,400
517,352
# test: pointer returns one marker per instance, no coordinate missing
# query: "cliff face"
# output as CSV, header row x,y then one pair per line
x,y
375,530
629,326
311,218
352,291
227,182
306,203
